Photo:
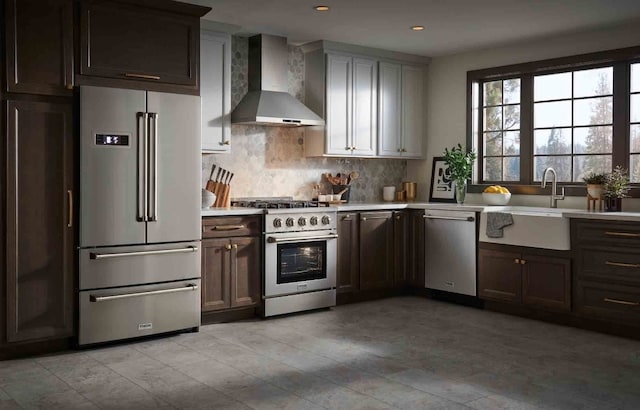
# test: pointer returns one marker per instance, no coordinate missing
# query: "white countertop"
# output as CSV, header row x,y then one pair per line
x,y
383,206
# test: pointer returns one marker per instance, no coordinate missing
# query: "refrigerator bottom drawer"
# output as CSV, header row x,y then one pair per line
x,y
133,311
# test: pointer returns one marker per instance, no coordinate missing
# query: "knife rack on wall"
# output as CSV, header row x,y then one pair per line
x,y
220,185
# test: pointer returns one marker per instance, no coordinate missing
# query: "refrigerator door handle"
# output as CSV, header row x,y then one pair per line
x,y
153,167
143,131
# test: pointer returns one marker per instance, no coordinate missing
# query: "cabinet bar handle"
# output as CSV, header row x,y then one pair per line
x,y
621,302
94,298
365,218
624,234
623,265
142,76
227,227
450,218
70,210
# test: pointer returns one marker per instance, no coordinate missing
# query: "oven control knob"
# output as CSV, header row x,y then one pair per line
x,y
326,220
277,223
290,222
313,220
302,221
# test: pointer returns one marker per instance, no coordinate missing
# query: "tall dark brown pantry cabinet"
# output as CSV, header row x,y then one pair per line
x,y
39,220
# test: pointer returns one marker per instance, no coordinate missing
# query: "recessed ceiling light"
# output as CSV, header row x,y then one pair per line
x,y
417,28
321,8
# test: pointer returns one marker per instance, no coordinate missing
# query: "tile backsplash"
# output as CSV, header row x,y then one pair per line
x,y
270,161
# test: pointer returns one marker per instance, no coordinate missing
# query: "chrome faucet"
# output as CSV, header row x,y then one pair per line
x,y
554,187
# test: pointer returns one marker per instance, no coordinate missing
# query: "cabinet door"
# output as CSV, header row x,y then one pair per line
x,y
40,221
400,248
365,102
412,111
376,250
416,264
246,271
546,282
348,271
499,276
125,41
39,46
339,105
390,110
215,91
216,274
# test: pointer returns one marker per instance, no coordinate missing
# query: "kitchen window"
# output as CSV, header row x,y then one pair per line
x,y
634,126
576,114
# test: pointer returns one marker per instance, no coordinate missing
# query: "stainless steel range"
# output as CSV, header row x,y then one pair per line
x,y
300,243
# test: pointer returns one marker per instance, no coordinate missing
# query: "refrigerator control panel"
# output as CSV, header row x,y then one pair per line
x,y
112,139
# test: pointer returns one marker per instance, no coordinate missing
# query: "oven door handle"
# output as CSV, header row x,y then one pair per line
x,y
272,239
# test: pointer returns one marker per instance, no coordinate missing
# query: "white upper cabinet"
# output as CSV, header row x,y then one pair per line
x,y
365,110
339,104
371,101
345,93
390,110
215,91
412,111
401,111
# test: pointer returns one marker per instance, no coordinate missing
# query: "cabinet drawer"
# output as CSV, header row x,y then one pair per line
x,y
613,302
227,226
612,265
606,233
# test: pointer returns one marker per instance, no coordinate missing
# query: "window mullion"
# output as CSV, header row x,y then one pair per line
x,y
621,97
526,129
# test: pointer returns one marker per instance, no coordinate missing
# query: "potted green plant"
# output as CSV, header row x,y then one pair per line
x,y
460,163
615,188
595,182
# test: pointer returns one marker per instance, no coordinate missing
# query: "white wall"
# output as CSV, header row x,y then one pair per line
x,y
447,82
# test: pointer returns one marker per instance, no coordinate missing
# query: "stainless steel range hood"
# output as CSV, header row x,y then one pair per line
x,y
268,102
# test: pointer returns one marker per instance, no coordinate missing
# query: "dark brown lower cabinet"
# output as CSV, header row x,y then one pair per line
x,y
499,276
348,269
546,282
400,248
39,221
606,267
376,250
231,266
538,279
416,258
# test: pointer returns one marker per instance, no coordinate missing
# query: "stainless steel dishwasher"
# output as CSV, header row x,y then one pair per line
x,y
451,239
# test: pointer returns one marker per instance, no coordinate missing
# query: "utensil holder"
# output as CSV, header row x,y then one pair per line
x,y
338,188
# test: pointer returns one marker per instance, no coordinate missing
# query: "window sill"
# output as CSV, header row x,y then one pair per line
x,y
570,190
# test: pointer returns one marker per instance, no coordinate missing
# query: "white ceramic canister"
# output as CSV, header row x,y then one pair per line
x,y
388,193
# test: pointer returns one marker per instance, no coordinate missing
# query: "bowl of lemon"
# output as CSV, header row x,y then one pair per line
x,y
496,195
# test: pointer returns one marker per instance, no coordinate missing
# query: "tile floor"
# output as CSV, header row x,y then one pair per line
x,y
407,353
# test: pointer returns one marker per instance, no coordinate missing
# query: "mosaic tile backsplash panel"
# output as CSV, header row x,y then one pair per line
x,y
270,161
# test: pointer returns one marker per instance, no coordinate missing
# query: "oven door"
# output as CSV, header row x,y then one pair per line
x,y
298,262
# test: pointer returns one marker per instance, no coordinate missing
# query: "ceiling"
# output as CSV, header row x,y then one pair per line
x,y
452,26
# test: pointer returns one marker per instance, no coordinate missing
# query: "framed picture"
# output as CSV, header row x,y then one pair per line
x,y
442,186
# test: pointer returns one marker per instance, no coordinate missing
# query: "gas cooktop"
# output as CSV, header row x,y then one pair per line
x,y
277,203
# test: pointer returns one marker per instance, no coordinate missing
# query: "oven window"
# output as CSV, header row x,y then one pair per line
x,y
299,262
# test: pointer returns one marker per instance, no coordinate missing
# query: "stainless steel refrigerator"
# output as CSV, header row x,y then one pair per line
x,y
140,165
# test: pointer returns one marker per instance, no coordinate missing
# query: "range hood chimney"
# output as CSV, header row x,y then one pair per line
x,y
268,102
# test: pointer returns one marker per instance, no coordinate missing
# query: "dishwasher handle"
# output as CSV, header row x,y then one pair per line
x,y
451,218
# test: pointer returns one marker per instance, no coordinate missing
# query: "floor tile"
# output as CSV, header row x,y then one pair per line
x,y
403,353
